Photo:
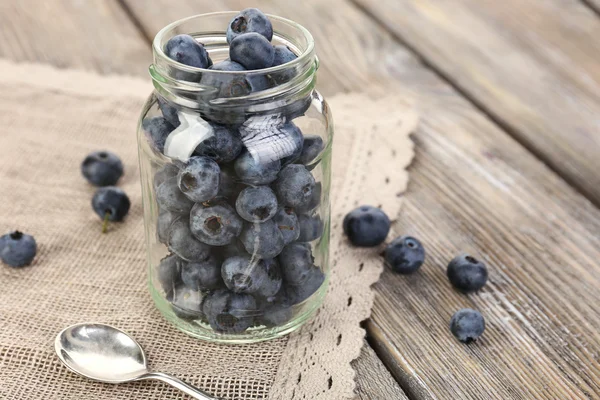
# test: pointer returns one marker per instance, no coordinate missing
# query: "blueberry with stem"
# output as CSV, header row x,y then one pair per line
x,y
111,204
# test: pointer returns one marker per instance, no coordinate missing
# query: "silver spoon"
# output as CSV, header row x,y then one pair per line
x,y
106,354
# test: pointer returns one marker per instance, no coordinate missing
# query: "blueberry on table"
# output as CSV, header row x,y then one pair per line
x,y
466,273
311,227
297,138
199,179
157,129
252,50
223,146
229,312
186,50
216,225
366,226
202,275
294,185
254,172
250,20
313,146
102,168
263,240
169,197
181,241
168,111
467,325
287,222
169,272
233,85
256,204
163,224
165,173
111,204
187,303
17,249
296,262
253,276
299,293
405,255
283,55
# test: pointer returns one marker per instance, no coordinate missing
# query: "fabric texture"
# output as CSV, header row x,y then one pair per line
x,y
49,120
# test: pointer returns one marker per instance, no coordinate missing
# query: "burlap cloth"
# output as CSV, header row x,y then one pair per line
x,y
49,120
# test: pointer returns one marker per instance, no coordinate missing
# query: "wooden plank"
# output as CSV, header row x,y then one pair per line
x,y
593,4
531,64
93,35
373,380
474,189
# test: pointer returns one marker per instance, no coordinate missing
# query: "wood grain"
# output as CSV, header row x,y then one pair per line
x,y
473,188
534,65
93,35
374,381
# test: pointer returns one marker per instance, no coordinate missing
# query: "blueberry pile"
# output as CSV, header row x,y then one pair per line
x,y
239,214
104,169
368,226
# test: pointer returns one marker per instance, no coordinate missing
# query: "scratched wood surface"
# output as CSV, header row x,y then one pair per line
x,y
473,188
531,64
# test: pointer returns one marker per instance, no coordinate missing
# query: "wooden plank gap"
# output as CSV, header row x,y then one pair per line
x,y
551,164
593,5
148,38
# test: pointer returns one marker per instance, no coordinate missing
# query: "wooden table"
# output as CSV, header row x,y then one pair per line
x,y
507,168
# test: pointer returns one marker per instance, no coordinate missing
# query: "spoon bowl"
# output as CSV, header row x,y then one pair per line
x,y
106,354
101,352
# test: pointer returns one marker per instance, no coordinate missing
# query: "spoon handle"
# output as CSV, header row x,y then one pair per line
x,y
179,384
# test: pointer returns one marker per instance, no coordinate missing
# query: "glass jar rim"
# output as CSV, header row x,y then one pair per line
x,y
307,53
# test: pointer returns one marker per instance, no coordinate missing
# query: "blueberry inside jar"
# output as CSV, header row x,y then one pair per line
x,y
235,157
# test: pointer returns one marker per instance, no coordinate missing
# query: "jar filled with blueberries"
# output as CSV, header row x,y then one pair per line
x,y
235,158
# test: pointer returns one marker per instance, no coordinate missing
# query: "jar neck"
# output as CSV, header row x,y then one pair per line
x,y
242,92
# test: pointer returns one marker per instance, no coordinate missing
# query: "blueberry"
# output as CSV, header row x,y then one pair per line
x,y
256,204
169,112
181,241
186,50
467,325
157,129
311,227
296,261
287,222
229,187
405,255
299,293
252,50
229,312
297,138
169,272
253,276
199,179
187,303
233,85
250,20
163,224
467,274
366,226
276,314
202,275
313,146
262,240
315,200
17,249
165,173
102,168
283,55
295,185
111,203
254,172
223,146
233,249
216,225
169,197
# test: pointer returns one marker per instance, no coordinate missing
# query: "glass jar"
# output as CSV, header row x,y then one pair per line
x,y
235,170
